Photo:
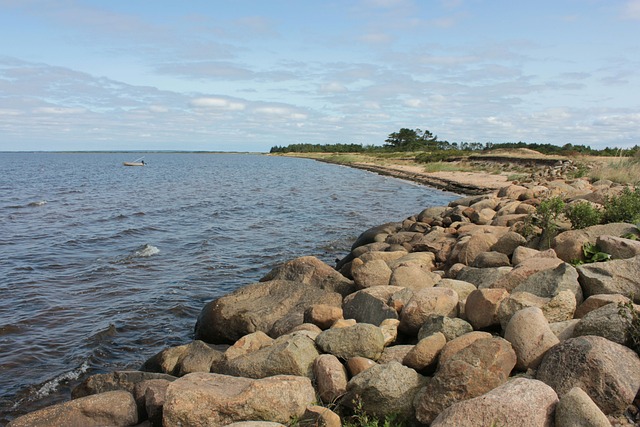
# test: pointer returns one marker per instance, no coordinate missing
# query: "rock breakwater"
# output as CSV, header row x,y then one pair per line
x,y
448,318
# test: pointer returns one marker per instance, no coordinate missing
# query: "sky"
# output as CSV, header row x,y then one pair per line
x,y
246,75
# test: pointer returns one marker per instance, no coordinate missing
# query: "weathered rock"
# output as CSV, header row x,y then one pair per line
x,y
596,301
482,307
322,315
522,253
198,357
425,302
529,333
344,323
384,389
425,353
620,276
389,328
618,247
482,277
413,276
508,220
312,272
564,330
462,288
605,322
454,346
248,344
255,424
395,353
568,245
450,327
438,241
370,305
608,372
522,271
483,216
320,416
117,380
201,399
478,368
556,309
288,355
508,243
111,408
512,191
378,233
561,307
369,274
423,260
331,377
491,259
362,340
149,396
518,402
548,283
258,307
576,409
469,247
356,365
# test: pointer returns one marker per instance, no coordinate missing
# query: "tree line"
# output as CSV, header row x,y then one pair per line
x,y
423,140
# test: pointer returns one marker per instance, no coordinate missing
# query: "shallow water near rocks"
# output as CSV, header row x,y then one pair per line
x,y
102,266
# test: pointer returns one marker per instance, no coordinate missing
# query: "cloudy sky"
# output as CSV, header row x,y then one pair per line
x,y
249,74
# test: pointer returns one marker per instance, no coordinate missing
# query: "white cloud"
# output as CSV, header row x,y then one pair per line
x,y
413,103
58,110
631,10
333,87
221,103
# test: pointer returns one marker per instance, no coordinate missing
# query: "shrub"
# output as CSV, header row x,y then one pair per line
x,y
547,214
583,215
623,208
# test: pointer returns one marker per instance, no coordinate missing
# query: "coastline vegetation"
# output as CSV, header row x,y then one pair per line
x,y
421,147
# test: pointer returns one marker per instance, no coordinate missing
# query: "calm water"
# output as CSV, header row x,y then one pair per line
x,y
101,265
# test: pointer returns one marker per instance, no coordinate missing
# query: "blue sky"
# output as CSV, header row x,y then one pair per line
x,y
249,74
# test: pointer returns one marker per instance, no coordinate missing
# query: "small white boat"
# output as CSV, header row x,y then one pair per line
x,y
136,162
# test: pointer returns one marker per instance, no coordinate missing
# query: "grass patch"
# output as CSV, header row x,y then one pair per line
x,y
625,170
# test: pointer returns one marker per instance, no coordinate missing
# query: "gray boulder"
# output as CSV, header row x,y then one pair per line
x,y
509,242
608,372
259,307
482,277
519,402
620,276
491,259
604,322
362,339
548,283
424,303
288,355
618,247
201,399
450,327
370,305
312,272
384,389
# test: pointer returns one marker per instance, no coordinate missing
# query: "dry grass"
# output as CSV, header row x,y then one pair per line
x,y
624,170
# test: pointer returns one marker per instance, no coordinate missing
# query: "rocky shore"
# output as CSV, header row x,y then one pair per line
x,y
448,318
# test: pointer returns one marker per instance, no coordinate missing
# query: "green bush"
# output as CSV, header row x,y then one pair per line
x,y
547,214
623,208
583,215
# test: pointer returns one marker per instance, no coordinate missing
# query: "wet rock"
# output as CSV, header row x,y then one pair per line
x,y
117,380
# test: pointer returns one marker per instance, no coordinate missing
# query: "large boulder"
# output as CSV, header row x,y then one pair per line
x,y
456,345
312,272
384,389
531,337
370,305
519,402
476,369
482,277
525,269
469,247
288,355
482,305
606,322
201,399
620,276
426,302
372,273
450,327
112,408
568,245
548,283
362,339
618,247
437,241
259,307
425,353
608,372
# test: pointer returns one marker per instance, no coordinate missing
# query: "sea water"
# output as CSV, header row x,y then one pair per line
x,y
102,266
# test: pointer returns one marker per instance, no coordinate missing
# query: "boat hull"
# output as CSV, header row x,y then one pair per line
x,y
133,164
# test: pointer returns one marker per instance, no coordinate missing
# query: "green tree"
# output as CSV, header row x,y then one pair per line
x,y
411,139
